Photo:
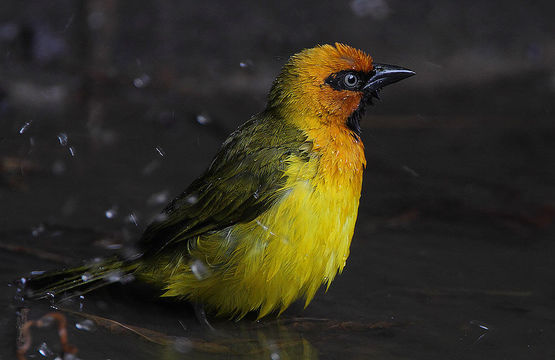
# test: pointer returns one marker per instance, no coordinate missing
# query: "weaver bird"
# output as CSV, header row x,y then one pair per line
x,y
272,218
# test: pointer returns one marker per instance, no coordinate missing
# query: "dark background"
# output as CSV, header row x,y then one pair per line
x,y
108,109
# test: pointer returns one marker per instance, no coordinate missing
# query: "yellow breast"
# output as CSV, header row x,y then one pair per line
x,y
290,250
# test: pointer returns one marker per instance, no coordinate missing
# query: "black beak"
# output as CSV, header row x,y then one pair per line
x,y
384,75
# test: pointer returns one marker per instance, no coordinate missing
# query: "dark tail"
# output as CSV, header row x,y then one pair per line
x,y
79,280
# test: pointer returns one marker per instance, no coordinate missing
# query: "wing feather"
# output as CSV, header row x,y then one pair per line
x,y
245,178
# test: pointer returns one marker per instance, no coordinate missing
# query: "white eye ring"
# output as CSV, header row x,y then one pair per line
x,y
351,80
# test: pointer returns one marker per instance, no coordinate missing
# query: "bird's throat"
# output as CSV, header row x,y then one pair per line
x,y
353,121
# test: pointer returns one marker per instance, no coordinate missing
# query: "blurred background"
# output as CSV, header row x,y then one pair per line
x,y
109,109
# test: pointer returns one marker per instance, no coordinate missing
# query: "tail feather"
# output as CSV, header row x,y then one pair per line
x,y
79,280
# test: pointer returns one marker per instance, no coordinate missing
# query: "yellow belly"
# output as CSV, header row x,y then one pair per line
x,y
288,252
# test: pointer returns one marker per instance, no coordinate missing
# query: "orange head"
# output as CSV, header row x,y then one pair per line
x,y
331,84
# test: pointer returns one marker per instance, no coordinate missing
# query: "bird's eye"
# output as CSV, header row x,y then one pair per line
x,y
351,80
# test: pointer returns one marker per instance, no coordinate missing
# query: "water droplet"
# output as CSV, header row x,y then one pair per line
x,y
113,246
44,350
25,127
127,278
275,356
141,81
480,324
262,225
86,277
203,119
71,151
111,213
199,269
182,345
86,325
192,199
160,217
114,276
246,63
62,138
159,198
160,151
47,321
37,272
119,276
132,218
36,231
22,281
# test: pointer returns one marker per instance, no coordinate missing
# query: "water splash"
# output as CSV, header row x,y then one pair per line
x,y
119,276
182,345
160,217
483,327
48,321
114,276
160,151
36,231
199,269
203,119
132,218
191,199
86,325
266,228
44,350
111,213
246,63
141,81
62,139
25,127
158,198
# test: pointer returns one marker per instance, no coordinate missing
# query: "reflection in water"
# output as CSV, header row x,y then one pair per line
x,y
243,340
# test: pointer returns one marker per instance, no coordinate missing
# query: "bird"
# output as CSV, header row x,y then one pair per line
x,y
272,218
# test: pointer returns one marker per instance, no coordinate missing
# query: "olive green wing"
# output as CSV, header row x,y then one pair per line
x,y
245,178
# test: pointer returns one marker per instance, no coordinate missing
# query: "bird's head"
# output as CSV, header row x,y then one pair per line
x,y
331,84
